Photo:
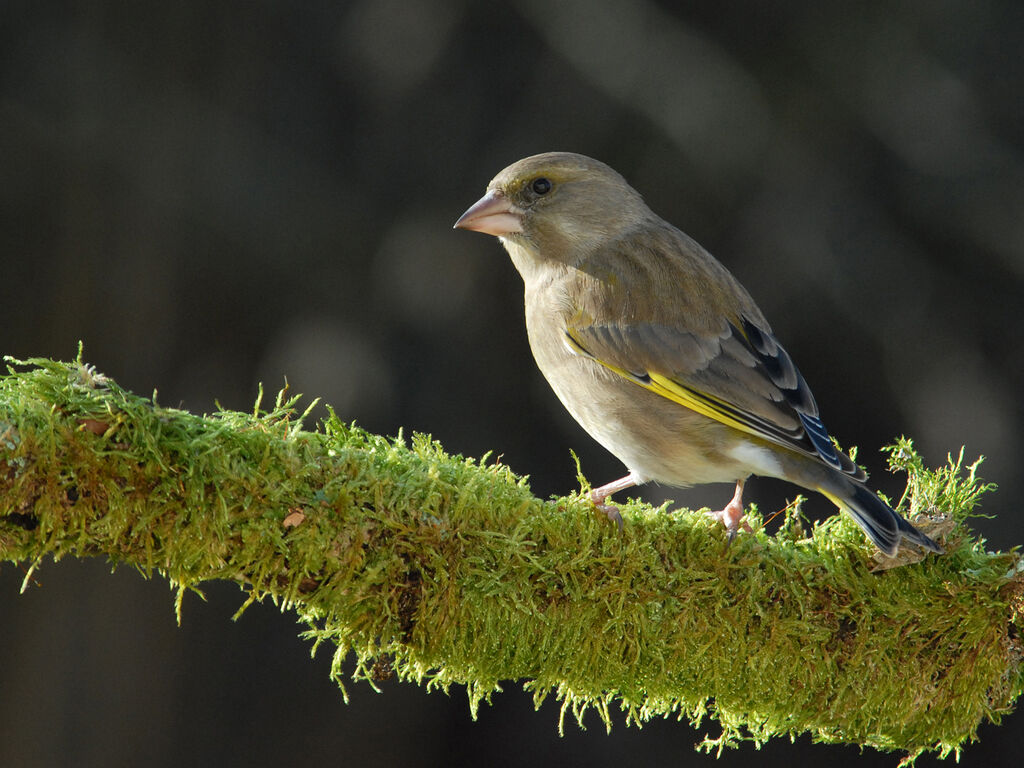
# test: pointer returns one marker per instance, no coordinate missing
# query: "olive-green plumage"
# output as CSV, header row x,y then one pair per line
x,y
656,349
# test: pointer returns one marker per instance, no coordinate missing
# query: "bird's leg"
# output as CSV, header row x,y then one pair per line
x,y
731,515
599,495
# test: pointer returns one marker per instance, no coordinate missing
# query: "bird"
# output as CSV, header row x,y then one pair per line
x,y
658,351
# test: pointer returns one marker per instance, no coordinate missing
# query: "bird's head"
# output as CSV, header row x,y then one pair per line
x,y
558,206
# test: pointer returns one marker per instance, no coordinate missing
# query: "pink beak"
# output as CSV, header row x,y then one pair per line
x,y
492,214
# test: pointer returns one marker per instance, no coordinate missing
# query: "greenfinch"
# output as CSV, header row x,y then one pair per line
x,y
657,350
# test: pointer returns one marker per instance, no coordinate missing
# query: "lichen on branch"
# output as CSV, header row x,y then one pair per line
x,y
445,570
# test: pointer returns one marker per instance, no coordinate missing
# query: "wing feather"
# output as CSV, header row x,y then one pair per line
x,y
742,377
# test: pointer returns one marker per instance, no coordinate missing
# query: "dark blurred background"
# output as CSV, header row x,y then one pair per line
x,y
211,195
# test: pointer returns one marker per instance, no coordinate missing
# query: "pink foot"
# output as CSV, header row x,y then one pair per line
x,y
600,495
731,515
610,511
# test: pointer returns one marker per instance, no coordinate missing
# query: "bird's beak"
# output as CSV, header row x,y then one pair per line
x,y
492,214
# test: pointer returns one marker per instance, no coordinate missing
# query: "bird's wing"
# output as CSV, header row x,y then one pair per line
x,y
741,377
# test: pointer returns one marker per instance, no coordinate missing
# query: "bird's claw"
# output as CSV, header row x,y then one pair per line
x,y
731,515
610,510
732,519
612,513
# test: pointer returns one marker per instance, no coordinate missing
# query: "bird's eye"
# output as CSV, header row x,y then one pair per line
x,y
541,186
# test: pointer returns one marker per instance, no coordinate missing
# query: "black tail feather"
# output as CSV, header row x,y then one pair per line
x,y
881,523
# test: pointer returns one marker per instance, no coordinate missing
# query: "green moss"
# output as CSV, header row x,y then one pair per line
x,y
445,570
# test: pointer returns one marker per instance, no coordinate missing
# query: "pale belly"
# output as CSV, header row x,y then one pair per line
x,y
653,436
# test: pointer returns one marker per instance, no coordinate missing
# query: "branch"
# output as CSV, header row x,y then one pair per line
x,y
443,570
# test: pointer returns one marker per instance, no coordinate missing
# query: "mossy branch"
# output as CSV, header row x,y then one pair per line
x,y
445,570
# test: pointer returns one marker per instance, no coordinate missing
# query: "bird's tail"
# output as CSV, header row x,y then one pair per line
x,y
883,525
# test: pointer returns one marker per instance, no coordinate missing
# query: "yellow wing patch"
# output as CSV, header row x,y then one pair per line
x,y
677,393
695,401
